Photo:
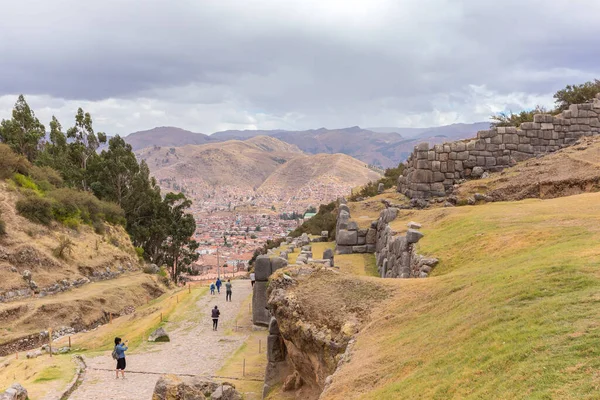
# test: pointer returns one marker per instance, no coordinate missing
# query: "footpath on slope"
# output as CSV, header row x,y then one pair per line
x,y
194,349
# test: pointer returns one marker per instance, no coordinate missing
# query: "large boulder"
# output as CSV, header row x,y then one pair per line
x,y
328,254
172,387
413,236
347,238
262,268
278,263
159,335
260,314
276,350
15,392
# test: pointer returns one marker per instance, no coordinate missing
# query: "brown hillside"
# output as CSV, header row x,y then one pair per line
x,y
328,171
29,246
244,164
572,170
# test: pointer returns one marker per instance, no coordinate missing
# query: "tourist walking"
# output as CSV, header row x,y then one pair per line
x,y
215,317
219,283
212,288
119,355
252,278
228,290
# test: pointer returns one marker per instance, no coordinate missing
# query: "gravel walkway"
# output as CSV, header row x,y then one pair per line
x,y
193,350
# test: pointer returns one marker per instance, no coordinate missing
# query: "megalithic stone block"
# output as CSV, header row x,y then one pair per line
x,y
260,314
262,268
275,348
278,263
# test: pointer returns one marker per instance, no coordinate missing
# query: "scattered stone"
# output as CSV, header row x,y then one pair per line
x,y
328,254
482,197
278,263
380,188
414,225
172,387
15,392
34,354
226,392
159,335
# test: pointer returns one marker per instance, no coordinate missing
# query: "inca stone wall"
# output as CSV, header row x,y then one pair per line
x,y
264,266
432,172
396,255
349,238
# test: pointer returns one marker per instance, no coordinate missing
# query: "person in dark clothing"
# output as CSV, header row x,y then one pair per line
x,y
120,349
228,290
215,317
219,283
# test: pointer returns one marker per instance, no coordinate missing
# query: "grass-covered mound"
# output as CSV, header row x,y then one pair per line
x,y
511,311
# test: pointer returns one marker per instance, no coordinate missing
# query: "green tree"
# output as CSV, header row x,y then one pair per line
x,y
112,173
576,94
84,142
180,248
23,132
56,152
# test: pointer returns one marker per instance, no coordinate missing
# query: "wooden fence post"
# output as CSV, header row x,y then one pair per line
x,y
50,340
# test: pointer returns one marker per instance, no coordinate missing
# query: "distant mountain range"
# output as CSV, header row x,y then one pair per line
x,y
380,146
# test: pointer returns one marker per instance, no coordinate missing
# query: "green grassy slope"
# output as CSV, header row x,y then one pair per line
x,y
511,312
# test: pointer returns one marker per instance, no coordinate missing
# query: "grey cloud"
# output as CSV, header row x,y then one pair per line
x,y
332,63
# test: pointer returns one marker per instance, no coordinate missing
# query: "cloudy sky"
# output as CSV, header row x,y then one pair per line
x,y
209,65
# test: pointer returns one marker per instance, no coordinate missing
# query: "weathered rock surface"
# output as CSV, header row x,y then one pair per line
x,y
15,392
172,387
159,335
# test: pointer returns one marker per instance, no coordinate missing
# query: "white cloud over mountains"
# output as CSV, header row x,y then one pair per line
x,y
242,64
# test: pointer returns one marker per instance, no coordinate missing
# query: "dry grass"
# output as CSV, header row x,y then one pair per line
x,y
81,306
33,246
510,313
366,211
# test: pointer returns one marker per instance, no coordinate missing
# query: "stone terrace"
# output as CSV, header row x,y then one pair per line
x,y
433,172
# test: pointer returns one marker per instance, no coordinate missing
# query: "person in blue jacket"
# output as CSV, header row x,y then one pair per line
x,y
120,349
219,283
212,288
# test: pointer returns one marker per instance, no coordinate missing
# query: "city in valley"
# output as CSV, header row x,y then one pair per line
x,y
233,222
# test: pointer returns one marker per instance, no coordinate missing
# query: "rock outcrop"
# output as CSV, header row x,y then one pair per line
x,y
15,392
172,387
159,335
432,172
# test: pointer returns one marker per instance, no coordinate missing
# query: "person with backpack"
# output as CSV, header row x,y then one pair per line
x,y
228,290
118,354
212,288
215,313
219,283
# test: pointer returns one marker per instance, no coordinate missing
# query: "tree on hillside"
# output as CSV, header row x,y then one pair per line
x,y
180,249
55,153
23,132
84,142
576,94
111,175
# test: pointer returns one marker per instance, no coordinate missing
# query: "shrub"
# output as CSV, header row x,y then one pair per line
x,y
36,209
99,227
65,246
2,227
11,163
140,252
46,176
510,119
25,182
71,203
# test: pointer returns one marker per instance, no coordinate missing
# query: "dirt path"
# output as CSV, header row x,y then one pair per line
x,y
193,350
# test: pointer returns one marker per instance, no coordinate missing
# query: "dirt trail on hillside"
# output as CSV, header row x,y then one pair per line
x,y
194,350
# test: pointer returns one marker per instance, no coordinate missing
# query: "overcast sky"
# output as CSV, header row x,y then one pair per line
x,y
209,65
